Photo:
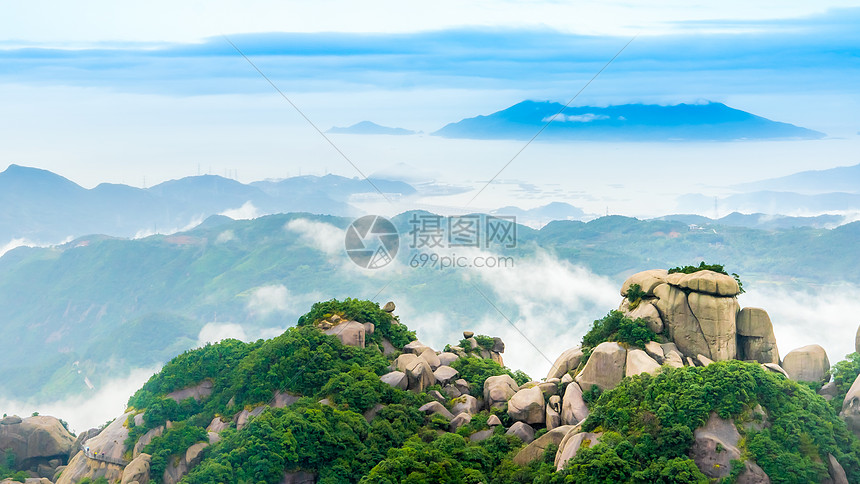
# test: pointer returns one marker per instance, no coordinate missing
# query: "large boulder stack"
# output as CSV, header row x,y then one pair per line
x,y
35,441
808,363
38,443
699,313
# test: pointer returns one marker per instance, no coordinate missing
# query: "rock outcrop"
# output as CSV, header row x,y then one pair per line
x,y
535,449
109,443
527,406
573,407
638,362
851,408
523,431
38,443
498,390
857,341
350,333
716,446
197,392
568,361
137,470
396,379
698,310
465,403
809,363
605,367
755,336
570,445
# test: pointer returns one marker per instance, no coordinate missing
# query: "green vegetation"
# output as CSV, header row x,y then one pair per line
x,y
646,422
173,285
173,442
648,418
844,374
450,458
618,327
365,312
634,295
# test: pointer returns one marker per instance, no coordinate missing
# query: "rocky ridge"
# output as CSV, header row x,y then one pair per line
x,y
697,320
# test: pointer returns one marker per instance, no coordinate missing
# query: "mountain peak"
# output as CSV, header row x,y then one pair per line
x,y
706,121
369,127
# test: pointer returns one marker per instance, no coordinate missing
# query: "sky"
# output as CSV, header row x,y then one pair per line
x,y
140,93
143,92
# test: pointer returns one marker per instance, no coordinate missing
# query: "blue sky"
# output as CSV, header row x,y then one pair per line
x,y
815,53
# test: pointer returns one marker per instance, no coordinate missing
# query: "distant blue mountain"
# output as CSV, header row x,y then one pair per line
x,y
368,127
839,179
42,206
771,202
760,220
629,122
543,214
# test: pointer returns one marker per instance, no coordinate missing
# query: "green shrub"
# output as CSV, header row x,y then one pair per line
x,y
363,312
844,374
617,327
634,295
476,370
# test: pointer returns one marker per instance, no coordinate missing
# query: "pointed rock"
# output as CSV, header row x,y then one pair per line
x,y
567,361
573,408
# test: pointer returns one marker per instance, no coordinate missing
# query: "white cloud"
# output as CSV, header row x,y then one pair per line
x,y
87,411
320,235
14,244
246,212
807,314
225,236
148,232
575,118
557,301
215,332
266,300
